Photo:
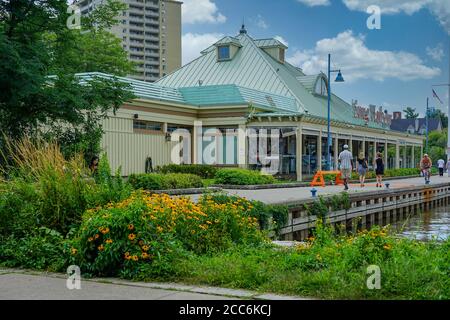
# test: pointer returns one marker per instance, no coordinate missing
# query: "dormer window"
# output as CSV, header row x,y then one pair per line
x,y
321,87
223,53
281,54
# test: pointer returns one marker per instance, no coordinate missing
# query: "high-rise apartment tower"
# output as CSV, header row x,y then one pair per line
x,y
150,31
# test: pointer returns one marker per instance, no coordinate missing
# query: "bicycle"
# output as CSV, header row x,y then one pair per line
x,y
426,175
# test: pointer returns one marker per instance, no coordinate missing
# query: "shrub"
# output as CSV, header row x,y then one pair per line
x,y
203,170
155,181
40,249
318,208
152,231
269,216
47,190
242,177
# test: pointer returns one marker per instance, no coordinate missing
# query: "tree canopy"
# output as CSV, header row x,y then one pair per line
x,y
39,57
410,113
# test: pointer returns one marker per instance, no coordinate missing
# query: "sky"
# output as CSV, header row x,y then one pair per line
x,y
393,66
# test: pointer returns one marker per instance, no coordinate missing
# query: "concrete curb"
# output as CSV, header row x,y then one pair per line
x,y
216,291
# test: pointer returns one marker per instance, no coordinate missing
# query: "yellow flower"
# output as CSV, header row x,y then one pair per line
x,y
318,257
96,236
130,227
74,251
109,241
90,239
159,229
141,242
387,247
135,258
145,248
131,236
145,255
101,247
105,230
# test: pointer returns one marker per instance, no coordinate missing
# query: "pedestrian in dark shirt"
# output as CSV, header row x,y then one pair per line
x,y
379,170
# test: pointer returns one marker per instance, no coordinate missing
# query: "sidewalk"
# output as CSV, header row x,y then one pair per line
x,y
18,284
273,196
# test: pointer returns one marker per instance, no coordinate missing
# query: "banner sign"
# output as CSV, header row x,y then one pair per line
x,y
372,114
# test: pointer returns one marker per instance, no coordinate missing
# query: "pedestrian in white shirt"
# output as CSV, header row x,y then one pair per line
x,y
441,164
448,167
346,162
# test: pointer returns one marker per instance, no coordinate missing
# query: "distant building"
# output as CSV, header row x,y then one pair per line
x,y
414,126
150,31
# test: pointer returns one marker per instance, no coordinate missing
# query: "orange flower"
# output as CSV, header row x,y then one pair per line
x,y
145,248
131,236
96,236
145,255
130,227
135,258
90,239
74,251
105,230
109,241
101,247
141,242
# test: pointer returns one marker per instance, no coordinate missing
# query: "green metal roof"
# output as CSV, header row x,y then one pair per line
x,y
265,43
228,40
255,69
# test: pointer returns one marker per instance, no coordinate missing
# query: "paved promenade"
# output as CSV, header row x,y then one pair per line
x,y
283,195
19,284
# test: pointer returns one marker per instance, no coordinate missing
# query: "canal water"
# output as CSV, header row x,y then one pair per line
x,y
426,225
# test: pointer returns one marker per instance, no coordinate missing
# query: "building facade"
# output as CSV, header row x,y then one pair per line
x,y
150,31
241,104
415,126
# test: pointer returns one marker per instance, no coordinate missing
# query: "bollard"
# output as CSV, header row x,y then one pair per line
x,y
313,192
387,185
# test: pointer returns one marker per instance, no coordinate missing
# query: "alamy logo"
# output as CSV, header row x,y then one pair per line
x,y
74,277
374,20
74,20
374,280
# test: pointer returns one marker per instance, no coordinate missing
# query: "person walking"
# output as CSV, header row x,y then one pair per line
x,y
448,167
425,166
379,169
362,168
346,164
441,164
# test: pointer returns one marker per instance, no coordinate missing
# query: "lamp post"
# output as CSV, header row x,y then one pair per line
x,y
448,113
339,78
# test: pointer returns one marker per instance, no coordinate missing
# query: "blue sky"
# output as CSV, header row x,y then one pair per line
x,y
394,66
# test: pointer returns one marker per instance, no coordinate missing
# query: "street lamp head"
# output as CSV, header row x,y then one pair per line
x,y
339,77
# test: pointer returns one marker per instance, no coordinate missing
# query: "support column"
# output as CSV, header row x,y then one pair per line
x,y
397,156
374,150
336,151
298,159
196,142
350,145
405,149
413,164
386,159
242,146
319,151
364,146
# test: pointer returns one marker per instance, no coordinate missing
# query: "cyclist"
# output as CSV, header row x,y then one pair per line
x,y
425,166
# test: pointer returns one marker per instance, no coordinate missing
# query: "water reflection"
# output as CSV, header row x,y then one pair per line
x,y
426,225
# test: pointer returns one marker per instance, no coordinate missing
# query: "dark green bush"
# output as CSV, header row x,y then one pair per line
x,y
203,170
155,181
242,177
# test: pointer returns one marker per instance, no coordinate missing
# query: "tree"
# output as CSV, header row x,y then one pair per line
x,y
438,114
39,56
410,113
437,144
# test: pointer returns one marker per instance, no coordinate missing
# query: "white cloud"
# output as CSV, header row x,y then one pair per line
x,y
314,3
201,11
439,8
261,23
194,43
350,53
280,38
436,53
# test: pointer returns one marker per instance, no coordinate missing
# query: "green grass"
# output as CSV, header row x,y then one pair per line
x,y
331,267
